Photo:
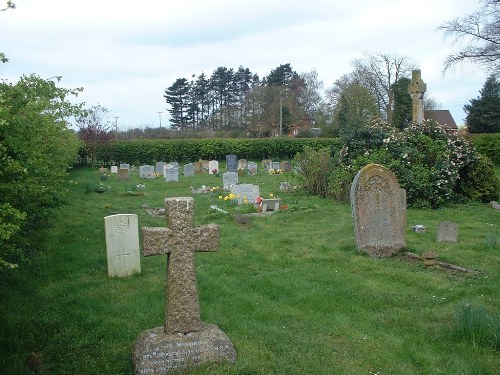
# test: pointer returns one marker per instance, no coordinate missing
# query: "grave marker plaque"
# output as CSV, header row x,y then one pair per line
x,y
447,231
377,212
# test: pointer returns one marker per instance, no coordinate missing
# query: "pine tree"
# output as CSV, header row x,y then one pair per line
x,y
483,113
178,97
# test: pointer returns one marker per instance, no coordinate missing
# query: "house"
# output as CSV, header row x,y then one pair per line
x,y
444,118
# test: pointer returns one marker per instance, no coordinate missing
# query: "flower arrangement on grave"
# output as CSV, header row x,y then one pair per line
x,y
275,171
231,198
101,188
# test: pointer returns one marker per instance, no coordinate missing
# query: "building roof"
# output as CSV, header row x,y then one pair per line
x,y
441,116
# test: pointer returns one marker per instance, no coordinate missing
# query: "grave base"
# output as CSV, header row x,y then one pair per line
x,y
156,352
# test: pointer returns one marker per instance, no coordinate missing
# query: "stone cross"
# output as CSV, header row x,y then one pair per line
x,y
180,241
416,90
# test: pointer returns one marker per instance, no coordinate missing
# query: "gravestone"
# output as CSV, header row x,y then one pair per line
x,y
229,179
231,163
147,171
447,231
270,204
265,163
122,245
417,90
125,166
174,164
189,170
204,164
172,174
165,168
286,166
103,170
213,166
377,212
159,167
252,168
250,191
114,169
123,174
274,165
242,164
197,167
403,206
184,340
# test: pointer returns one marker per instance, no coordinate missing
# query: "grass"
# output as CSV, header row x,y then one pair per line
x,y
289,289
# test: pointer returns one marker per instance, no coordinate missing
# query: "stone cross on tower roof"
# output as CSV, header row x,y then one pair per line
x,y
416,90
180,241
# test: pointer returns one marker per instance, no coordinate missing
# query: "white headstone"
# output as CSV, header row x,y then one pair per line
x,y
122,245
251,192
114,169
213,166
172,174
252,168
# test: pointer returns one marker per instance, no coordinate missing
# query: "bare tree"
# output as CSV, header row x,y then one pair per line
x,y
480,34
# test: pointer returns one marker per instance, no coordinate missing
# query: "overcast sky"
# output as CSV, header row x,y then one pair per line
x,y
126,53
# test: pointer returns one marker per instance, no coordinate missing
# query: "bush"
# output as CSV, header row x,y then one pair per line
x,y
488,145
316,166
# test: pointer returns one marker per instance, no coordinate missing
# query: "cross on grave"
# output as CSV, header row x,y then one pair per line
x,y
417,90
121,256
180,241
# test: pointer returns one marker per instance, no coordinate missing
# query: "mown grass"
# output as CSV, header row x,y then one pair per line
x,y
289,289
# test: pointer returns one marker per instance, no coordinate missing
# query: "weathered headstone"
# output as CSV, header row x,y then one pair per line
x,y
286,166
377,212
242,163
183,341
403,206
229,179
447,231
251,192
417,90
189,170
125,166
114,169
204,164
231,163
265,163
252,168
213,167
103,170
197,167
122,245
147,171
159,167
274,165
172,174
123,174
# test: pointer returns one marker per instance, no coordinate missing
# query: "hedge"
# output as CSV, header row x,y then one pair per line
x,y
187,150
488,145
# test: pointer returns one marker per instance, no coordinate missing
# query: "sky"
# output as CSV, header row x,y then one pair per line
x,y
126,53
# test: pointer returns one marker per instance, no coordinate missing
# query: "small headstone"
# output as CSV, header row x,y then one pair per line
x,y
147,171
270,204
265,163
231,163
447,231
189,170
197,167
213,167
286,166
103,170
242,163
165,167
274,165
251,192
183,341
377,212
122,245
125,166
172,174
252,168
114,169
159,167
123,174
229,179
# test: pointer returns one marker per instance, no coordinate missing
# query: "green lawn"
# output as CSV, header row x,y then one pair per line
x,y
289,289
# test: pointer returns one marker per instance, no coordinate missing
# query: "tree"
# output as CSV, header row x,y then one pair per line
x,y
483,113
481,33
378,73
402,112
178,97
93,131
310,96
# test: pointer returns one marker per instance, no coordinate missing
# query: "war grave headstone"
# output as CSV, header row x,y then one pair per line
x,y
286,166
165,168
172,174
229,179
125,166
231,163
213,167
377,212
242,164
447,231
147,171
250,191
114,169
183,341
122,245
197,167
123,174
252,168
189,170
160,165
